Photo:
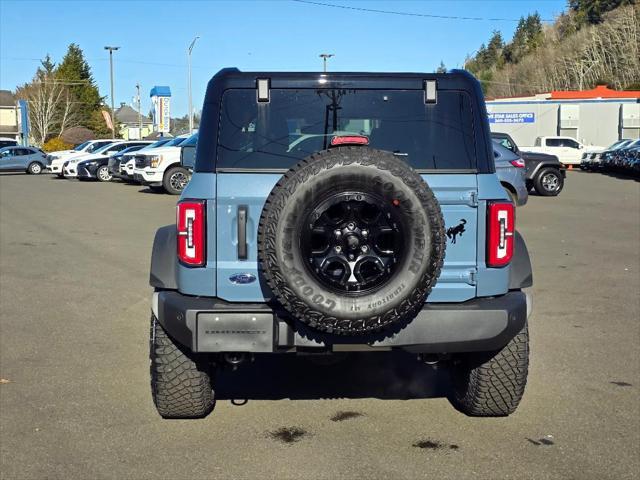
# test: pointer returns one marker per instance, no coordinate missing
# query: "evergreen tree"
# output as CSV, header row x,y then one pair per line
x,y
76,73
591,11
47,67
441,68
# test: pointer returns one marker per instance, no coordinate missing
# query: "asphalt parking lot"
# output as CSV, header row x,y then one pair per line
x,y
75,400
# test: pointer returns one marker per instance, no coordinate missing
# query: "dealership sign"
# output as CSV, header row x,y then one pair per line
x,y
506,117
161,101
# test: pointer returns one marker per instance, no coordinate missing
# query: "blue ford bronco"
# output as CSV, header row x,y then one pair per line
x,y
342,212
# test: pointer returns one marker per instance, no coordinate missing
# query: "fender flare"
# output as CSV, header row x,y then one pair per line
x,y
520,274
164,262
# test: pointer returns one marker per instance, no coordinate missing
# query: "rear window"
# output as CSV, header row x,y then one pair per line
x,y
297,123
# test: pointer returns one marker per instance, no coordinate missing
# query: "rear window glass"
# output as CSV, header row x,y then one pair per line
x,y
297,123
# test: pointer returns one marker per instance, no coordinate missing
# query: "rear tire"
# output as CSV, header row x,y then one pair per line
x,y
175,180
491,384
34,168
549,182
181,383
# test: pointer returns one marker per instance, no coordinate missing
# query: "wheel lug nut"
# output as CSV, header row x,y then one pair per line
x,y
337,232
351,226
351,257
338,248
364,248
365,233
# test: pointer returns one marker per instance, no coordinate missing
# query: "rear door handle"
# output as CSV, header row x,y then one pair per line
x,y
242,232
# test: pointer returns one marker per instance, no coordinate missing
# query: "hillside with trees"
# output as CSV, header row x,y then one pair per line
x,y
594,42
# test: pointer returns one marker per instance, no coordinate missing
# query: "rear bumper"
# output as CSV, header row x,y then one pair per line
x,y
205,324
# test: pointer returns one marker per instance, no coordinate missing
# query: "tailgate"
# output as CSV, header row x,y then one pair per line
x,y
242,196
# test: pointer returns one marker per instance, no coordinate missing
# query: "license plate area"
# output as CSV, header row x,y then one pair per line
x,y
235,332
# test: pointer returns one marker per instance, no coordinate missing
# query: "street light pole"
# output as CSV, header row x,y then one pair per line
x,y
324,57
190,103
113,118
139,113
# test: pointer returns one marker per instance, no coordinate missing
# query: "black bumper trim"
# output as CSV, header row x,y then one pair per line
x,y
206,324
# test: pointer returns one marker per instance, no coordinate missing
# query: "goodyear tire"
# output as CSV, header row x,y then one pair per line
x,y
181,382
351,241
492,384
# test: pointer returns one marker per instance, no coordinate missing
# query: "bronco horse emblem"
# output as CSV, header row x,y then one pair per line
x,y
453,232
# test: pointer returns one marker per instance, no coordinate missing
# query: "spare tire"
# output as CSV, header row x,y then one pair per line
x,y
351,240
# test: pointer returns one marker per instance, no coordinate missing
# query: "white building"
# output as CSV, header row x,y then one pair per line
x,y
595,117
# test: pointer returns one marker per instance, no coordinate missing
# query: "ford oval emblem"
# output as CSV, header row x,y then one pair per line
x,y
242,278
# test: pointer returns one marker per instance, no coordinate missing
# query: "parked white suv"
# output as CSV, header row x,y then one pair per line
x,y
69,168
161,169
568,150
55,160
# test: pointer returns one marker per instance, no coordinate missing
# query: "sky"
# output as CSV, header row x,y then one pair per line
x,y
260,35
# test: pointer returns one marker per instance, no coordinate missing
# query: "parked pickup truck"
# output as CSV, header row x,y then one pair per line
x,y
160,169
568,150
543,172
316,222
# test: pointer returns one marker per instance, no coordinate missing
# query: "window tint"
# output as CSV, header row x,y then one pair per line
x,y
554,142
117,148
507,144
567,142
297,123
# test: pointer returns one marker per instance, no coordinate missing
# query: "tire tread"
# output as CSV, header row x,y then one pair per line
x,y
181,386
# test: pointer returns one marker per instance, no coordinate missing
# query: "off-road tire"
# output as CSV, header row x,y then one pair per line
x,y
393,304
181,383
35,168
168,183
539,187
491,384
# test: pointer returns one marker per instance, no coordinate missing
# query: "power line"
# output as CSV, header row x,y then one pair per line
x,y
137,62
408,14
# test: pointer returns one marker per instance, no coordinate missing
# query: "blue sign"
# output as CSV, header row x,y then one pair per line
x,y
24,121
505,117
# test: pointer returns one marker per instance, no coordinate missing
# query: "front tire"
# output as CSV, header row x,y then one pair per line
x,y
549,182
181,382
175,180
491,384
103,175
34,168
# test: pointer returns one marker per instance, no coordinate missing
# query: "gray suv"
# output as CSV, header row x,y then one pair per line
x,y
27,159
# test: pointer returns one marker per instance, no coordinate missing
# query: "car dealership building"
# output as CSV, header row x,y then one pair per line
x,y
594,117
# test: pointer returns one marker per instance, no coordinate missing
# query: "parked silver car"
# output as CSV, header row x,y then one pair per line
x,y
511,172
18,158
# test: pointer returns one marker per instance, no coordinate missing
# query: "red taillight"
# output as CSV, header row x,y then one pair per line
x,y
500,230
191,225
519,163
349,140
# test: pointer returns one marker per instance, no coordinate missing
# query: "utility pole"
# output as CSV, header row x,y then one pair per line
x,y
190,104
324,57
139,113
113,115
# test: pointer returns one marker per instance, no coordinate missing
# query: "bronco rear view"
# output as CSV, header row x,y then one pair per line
x,y
342,212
